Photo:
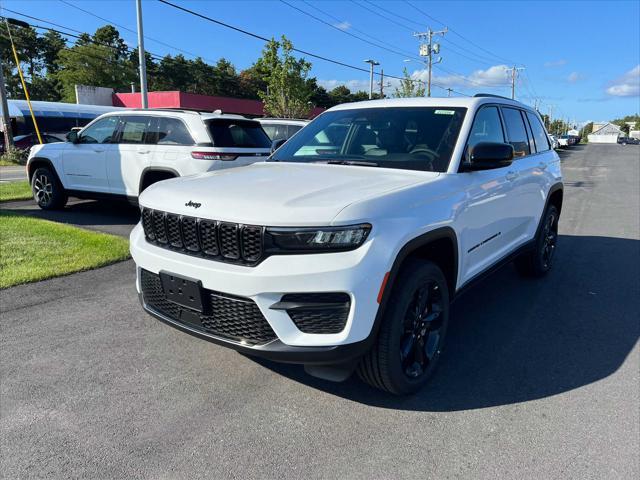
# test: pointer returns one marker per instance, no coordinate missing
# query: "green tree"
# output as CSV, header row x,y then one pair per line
x,y
409,87
288,94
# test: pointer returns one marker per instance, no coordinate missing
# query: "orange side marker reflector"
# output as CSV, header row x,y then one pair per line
x,y
382,287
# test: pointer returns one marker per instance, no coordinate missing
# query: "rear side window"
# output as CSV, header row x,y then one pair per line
x,y
238,134
539,135
169,131
133,129
516,131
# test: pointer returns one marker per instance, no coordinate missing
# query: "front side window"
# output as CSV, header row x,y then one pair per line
x,y
539,135
171,131
133,129
102,131
487,127
409,138
516,131
228,133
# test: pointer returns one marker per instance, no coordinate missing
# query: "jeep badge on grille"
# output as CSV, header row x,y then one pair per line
x,y
193,204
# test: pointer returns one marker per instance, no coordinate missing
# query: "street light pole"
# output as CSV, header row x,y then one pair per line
x,y
141,57
6,119
371,64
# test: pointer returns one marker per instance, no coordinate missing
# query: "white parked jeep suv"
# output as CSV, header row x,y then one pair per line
x,y
344,250
121,153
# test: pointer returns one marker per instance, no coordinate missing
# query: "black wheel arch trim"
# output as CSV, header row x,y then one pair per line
x,y
410,247
155,169
554,188
41,160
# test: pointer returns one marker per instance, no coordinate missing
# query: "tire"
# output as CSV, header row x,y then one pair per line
x,y
409,343
47,190
539,261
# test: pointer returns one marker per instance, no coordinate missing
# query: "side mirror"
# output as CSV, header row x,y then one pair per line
x,y
72,136
276,144
489,155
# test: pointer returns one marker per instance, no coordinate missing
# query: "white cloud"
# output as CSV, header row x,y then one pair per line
x,y
342,25
574,77
555,63
492,77
628,85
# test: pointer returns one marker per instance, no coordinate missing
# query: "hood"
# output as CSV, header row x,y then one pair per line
x,y
277,194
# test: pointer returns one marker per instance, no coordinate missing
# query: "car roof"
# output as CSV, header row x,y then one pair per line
x,y
465,102
180,113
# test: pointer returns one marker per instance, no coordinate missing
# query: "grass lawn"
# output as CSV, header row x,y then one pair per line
x,y
8,163
15,191
32,249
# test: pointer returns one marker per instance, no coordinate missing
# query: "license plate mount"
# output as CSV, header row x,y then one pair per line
x,y
183,291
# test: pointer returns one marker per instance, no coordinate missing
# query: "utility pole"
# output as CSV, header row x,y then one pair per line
x,y
141,57
551,115
428,49
514,75
382,84
6,119
371,64
449,90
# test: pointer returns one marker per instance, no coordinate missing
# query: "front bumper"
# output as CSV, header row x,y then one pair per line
x,y
353,273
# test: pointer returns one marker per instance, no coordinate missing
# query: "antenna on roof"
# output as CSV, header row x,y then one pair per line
x,y
218,111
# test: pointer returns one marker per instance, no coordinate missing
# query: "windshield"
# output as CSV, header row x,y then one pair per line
x,y
410,138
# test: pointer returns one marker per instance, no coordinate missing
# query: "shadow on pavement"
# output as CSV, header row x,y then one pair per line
x,y
512,340
98,215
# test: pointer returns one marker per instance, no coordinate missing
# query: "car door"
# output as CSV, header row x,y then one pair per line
x,y
534,175
486,215
173,146
132,154
84,162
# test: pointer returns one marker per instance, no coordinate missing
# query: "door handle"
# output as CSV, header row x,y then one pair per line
x,y
542,166
511,176
143,152
98,150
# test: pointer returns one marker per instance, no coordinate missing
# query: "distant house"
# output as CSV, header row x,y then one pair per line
x,y
605,133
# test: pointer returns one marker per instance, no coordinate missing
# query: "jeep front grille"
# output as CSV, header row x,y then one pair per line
x,y
222,241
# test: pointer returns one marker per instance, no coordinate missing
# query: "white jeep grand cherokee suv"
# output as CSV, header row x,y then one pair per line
x,y
121,153
344,250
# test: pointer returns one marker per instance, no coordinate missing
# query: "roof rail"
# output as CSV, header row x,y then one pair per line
x,y
491,95
169,109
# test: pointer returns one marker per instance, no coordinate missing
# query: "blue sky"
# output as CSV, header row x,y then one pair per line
x,y
582,58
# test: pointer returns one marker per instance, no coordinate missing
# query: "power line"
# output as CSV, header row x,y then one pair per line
x,y
351,27
502,59
126,28
397,52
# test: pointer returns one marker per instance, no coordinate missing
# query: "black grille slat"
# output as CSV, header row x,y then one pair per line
x,y
209,237
159,227
190,234
173,230
229,240
222,241
227,316
147,224
251,243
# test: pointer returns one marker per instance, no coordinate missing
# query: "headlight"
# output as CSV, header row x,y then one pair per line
x,y
299,240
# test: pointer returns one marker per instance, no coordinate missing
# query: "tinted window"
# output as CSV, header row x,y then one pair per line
x,y
238,134
487,127
170,131
292,129
410,138
100,132
516,131
539,135
133,129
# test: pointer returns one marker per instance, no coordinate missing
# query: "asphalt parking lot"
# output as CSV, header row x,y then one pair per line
x,y
540,379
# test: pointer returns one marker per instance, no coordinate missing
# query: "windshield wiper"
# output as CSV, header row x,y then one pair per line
x,y
360,163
